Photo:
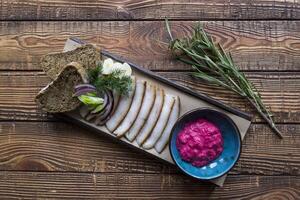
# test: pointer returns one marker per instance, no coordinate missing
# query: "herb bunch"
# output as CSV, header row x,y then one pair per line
x,y
115,81
214,65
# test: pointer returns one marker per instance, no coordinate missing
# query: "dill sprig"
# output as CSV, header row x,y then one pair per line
x,y
116,81
214,65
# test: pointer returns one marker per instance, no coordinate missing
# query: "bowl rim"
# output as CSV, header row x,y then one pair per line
x,y
229,119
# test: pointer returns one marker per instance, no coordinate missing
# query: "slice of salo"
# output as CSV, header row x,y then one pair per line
x,y
147,104
161,123
152,118
164,138
134,109
121,110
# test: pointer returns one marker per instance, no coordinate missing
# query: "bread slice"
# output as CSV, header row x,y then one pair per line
x,y
87,55
58,96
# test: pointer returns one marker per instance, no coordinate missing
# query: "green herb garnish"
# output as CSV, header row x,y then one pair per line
x,y
116,81
213,65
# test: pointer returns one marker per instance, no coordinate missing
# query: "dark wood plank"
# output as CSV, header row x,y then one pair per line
x,y
255,45
54,146
142,186
279,91
152,9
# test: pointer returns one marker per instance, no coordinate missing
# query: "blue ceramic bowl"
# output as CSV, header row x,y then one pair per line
x,y
232,144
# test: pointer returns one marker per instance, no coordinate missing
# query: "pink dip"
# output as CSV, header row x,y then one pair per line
x,y
199,142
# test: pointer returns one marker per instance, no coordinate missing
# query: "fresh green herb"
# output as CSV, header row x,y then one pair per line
x,y
116,81
213,65
93,74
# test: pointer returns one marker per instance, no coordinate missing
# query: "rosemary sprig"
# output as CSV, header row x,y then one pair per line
x,y
115,81
214,65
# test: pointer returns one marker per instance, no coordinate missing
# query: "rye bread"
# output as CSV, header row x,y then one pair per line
x,y
58,96
87,55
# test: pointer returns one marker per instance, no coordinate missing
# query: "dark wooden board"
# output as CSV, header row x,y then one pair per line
x,y
61,147
279,91
32,185
145,10
255,45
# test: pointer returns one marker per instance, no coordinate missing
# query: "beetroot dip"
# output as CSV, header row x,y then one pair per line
x,y
199,142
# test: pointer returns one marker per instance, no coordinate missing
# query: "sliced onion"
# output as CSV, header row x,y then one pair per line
x,y
105,115
83,91
105,103
102,116
83,86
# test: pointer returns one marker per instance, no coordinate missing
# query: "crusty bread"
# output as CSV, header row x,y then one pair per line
x,y
87,55
58,96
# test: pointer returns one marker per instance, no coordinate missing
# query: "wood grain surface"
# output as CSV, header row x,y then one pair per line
x,y
42,157
150,9
255,45
32,185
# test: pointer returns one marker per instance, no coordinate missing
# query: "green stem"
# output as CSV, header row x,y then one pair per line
x,y
168,29
200,52
270,122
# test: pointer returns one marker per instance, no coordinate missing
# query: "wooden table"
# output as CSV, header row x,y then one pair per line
x,y
43,157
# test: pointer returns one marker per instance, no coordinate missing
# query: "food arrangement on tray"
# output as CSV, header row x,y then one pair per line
x,y
109,95
126,105
142,112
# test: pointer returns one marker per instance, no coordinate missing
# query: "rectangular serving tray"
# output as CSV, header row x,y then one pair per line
x,y
189,101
